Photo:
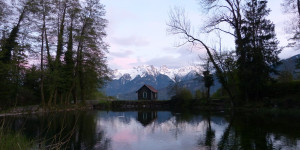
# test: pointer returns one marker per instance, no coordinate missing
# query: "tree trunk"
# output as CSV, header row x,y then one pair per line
x,y
79,69
208,93
60,36
49,58
42,60
42,71
298,6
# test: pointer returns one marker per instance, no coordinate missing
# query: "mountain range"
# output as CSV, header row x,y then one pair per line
x,y
125,83
289,65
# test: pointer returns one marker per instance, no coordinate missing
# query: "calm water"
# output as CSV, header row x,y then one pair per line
x,y
159,130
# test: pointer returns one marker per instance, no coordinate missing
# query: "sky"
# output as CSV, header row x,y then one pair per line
x,y
137,33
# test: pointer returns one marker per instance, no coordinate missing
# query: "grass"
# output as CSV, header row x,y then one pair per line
x,y
105,104
43,109
13,141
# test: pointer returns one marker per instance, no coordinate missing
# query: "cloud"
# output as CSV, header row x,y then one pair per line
x,y
177,57
123,53
125,136
172,61
124,63
130,41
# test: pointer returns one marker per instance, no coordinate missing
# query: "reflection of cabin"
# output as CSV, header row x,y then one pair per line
x,y
146,118
147,92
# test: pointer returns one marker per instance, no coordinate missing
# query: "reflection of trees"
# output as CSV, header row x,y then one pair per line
x,y
66,130
248,132
210,134
88,136
180,120
146,117
251,131
79,130
227,140
209,137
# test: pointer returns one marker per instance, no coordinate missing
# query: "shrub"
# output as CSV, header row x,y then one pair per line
x,y
283,89
199,94
182,99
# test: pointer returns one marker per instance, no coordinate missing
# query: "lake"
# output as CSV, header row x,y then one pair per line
x,y
158,130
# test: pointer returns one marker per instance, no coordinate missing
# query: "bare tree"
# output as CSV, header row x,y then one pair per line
x,y
179,25
229,12
175,87
292,7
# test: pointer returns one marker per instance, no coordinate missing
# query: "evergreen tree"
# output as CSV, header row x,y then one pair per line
x,y
91,69
208,79
260,46
12,59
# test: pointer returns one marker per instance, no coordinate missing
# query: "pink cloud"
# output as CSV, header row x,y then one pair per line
x,y
125,136
124,63
131,41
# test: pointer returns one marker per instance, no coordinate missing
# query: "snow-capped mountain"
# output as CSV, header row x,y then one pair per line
x,y
154,71
126,82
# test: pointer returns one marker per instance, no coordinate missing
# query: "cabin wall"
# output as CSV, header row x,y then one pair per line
x,y
141,92
150,94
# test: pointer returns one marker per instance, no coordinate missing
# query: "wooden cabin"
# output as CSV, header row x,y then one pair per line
x,y
147,92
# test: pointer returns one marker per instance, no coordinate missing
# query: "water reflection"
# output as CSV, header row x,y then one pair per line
x,y
158,130
146,117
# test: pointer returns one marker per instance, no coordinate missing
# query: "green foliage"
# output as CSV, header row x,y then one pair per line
x,y
30,90
78,66
220,93
285,76
283,89
8,46
5,84
199,94
10,140
183,99
260,52
208,79
184,95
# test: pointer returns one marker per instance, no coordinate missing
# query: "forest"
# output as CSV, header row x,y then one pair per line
x,y
52,51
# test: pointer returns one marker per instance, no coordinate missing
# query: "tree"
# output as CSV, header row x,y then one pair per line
x,y
175,86
208,79
260,43
179,25
91,69
229,12
292,7
12,56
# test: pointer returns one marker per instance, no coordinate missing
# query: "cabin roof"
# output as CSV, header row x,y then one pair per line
x,y
150,88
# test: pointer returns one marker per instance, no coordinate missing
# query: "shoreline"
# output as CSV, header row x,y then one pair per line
x,y
34,109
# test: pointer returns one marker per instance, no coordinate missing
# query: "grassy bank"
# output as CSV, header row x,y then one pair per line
x,y
32,109
13,141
